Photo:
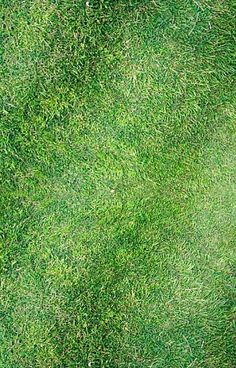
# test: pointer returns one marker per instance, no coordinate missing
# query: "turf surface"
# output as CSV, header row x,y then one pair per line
x,y
118,190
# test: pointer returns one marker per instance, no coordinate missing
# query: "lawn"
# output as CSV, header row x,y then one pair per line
x,y
118,184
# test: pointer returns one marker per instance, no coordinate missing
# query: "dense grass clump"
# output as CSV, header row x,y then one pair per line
x,y
118,190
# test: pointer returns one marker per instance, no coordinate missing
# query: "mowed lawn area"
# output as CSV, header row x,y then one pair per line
x,y
118,185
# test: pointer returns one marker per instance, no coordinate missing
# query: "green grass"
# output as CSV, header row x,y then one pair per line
x,y
118,189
